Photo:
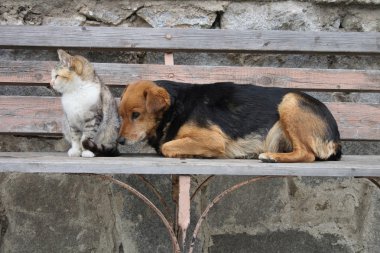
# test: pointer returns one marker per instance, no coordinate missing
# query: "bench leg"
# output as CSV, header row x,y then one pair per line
x,y
181,197
183,208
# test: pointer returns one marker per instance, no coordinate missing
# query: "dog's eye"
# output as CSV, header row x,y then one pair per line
x,y
135,115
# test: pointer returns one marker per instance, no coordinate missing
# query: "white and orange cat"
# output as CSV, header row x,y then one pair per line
x,y
91,122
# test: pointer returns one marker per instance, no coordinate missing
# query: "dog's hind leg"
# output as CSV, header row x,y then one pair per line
x,y
194,141
301,127
300,152
297,155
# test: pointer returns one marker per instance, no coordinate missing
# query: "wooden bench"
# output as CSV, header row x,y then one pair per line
x,y
41,116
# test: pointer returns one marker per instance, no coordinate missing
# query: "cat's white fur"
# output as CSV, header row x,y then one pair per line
x,y
78,102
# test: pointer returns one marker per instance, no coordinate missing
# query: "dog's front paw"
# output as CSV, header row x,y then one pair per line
x,y
167,151
74,152
87,153
267,158
170,154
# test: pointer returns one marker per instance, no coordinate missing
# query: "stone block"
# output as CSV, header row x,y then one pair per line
x,y
288,15
195,14
280,241
336,209
56,213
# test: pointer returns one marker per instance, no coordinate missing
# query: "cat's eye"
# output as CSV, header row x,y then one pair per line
x,y
135,115
56,76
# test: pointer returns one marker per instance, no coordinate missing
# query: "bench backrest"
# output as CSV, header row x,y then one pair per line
x,y
34,115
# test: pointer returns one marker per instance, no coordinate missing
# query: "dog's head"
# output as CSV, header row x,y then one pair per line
x,y
141,107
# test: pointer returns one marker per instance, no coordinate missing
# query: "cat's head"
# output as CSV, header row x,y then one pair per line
x,y
70,72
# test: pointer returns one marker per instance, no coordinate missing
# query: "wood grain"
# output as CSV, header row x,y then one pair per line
x,y
357,121
170,39
31,115
40,162
38,73
42,115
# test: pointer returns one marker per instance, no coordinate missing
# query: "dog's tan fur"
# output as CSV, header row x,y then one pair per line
x,y
194,141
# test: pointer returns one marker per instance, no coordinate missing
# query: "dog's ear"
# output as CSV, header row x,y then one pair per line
x,y
156,99
121,99
122,94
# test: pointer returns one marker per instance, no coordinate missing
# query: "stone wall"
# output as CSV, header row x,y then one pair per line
x,y
72,213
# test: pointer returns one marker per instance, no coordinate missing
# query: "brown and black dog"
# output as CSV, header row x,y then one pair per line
x,y
227,120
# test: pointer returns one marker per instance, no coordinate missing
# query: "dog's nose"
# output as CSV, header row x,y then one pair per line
x,y
121,140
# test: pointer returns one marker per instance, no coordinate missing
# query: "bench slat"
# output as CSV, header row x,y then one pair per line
x,y
42,115
38,73
149,164
171,39
31,115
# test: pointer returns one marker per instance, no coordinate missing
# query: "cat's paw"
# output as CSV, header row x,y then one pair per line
x,y
74,152
87,153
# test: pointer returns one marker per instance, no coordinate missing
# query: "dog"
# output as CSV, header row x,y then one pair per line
x,y
228,120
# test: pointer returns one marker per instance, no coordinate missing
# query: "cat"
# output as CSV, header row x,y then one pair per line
x,y
91,122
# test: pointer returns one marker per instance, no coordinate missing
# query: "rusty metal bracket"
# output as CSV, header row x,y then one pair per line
x,y
374,181
175,244
216,200
158,195
203,184
181,195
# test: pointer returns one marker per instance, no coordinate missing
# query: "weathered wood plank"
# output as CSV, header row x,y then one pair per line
x,y
42,115
31,115
170,39
145,164
38,73
357,121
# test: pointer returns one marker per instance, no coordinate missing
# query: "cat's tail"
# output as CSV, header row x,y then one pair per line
x,y
101,149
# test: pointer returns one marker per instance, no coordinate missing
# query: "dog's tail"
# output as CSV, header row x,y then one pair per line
x,y
101,149
337,155
326,143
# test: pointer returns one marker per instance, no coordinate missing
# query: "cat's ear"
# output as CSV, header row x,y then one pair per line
x,y
64,57
77,65
70,61
156,99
